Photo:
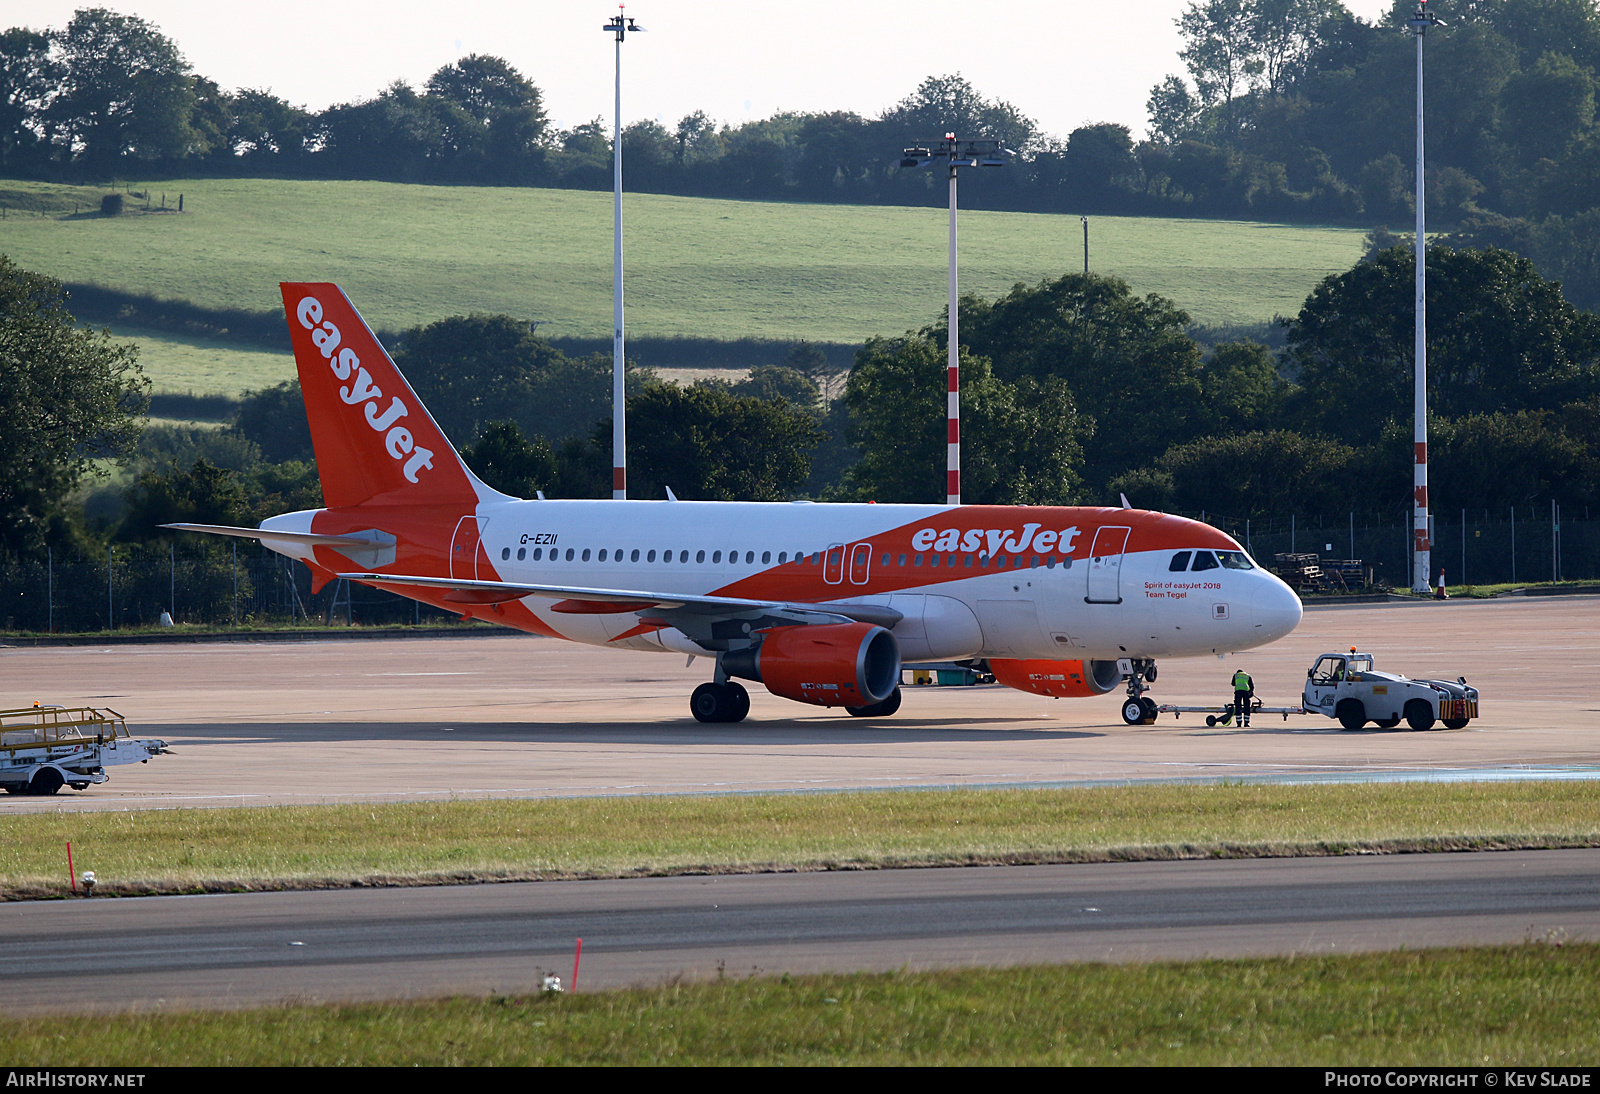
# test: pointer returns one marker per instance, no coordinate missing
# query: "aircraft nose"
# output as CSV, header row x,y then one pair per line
x,y
1275,609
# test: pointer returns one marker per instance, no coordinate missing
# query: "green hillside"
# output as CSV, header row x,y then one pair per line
x,y
696,267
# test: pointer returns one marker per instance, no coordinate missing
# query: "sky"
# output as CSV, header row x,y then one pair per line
x,y
1064,63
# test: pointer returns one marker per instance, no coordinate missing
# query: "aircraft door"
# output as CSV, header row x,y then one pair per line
x,y
1105,566
860,563
467,557
833,565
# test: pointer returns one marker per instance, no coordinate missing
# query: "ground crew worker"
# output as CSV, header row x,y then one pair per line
x,y
1244,689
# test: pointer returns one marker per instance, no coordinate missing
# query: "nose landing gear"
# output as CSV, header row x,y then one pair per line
x,y
1139,709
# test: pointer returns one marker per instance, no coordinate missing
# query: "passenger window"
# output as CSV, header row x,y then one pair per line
x,y
699,556
716,557
766,556
635,555
538,554
1180,562
522,553
602,554
683,556
569,554
1205,560
585,554
505,553
902,561
651,557
783,556
749,557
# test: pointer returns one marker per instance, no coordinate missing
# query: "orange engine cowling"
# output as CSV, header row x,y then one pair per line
x,y
831,665
1057,679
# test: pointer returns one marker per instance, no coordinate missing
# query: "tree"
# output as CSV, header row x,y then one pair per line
x,y
1126,360
509,461
126,91
1020,443
773,382
1544,109
950,104
30,78
472,369
1251,475
275,419
709,444
204,494
67,397
1500,337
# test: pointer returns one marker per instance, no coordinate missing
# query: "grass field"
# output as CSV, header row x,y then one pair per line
x,y
1533,1005
409,254
188,850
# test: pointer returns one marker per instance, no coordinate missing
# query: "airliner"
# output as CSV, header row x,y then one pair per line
x,y
819,603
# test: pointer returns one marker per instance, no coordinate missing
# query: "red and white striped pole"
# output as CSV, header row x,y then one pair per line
x,y
952,474
1422,547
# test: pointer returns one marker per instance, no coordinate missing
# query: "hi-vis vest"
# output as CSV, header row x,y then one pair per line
x,y
1242,681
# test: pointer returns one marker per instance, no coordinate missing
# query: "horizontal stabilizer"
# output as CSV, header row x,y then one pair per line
x,y
309,539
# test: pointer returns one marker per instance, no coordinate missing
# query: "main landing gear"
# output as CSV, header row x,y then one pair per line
x,y
1139,709
725,702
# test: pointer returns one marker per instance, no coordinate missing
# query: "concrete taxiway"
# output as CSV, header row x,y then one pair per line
x,y
261,948
501,715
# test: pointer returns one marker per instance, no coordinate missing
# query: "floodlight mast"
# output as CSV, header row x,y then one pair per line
x,y
620,26
955,154
1422,547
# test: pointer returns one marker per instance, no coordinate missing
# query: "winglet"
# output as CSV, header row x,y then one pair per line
x,y
1124,498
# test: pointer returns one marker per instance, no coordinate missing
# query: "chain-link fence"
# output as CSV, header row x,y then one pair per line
x,y
1472,546
210,583
222,583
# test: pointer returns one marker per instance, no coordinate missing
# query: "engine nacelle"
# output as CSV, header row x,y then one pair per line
x,y
830,665
1057,679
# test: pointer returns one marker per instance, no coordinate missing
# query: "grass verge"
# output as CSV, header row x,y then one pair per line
x,y
1532,1004
408,843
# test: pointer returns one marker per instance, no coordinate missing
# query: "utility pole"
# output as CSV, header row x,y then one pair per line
x,y
1422,553
619,26
1085,243
955,154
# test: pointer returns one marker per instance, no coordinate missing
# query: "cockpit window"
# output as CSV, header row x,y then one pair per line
x,y
1205,560
1180,562
1236,560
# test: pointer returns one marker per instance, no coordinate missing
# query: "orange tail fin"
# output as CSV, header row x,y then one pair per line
x,y
374,439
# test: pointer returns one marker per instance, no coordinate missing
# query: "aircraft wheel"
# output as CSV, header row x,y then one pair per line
x,y
1419,715
1387,723
1133,712
740,702
1150,710
711,703
1455,723
878,710
1150,673
46,782
1352,714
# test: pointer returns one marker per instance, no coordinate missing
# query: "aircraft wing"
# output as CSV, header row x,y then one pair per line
x,y
582,601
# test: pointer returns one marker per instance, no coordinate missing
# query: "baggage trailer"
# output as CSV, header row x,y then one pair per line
x,y
43,749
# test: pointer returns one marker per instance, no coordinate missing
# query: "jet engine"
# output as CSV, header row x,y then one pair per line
x,y
830,665
1057,679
